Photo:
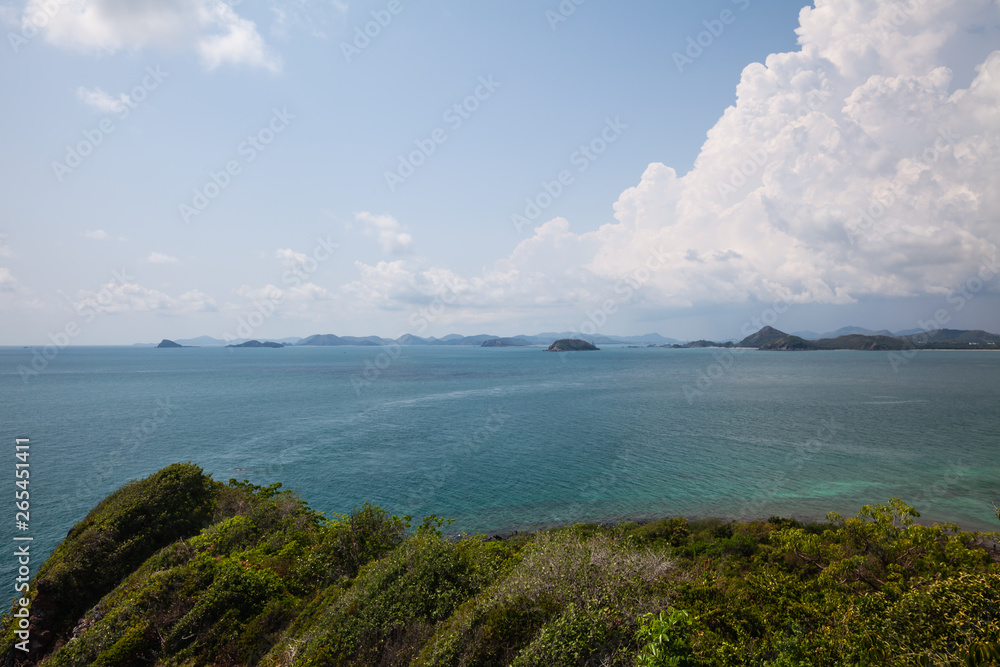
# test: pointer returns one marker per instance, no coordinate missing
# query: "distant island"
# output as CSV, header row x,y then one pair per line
x,y
770,339
762,337
543,339
506,342
767,338
257,343
697,343
571,345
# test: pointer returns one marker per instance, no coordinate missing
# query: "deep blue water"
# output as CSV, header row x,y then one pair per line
x,y
514,438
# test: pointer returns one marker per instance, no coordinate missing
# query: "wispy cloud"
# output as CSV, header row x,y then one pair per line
x,y
96,234
121,298
391,236
8,283
160,258
210,28
99,100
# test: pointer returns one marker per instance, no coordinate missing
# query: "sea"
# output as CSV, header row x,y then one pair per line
x,y
505,439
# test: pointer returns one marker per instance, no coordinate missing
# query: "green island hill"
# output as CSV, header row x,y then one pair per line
x,y
257,343
771,339
182,569
571,345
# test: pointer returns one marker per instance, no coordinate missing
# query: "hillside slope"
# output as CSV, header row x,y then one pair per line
x,y
179,569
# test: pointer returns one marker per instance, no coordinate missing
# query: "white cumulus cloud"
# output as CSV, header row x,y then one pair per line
x,y
210,28
160,258
96,234
854,167
291,258
390,234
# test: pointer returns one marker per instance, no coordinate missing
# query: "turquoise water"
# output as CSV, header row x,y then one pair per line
x,y
502,439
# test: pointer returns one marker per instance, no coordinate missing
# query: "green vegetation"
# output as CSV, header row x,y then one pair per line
x,y
571,345
179,569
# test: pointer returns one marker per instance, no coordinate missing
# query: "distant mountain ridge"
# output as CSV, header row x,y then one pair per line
x,y
257,343
769,338
762,337
209,341
481,340
974,336
845,331
850,338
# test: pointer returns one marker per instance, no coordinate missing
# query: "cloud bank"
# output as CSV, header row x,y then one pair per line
x,y
855,167
121,298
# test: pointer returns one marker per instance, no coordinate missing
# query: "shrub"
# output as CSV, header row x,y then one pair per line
x,y
665,639
672,531
882,548
527,613
575,637
360,537
392,605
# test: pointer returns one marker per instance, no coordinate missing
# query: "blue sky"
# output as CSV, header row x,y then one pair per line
x,y
175,168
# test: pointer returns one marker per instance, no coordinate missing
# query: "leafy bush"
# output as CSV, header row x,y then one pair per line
x,y
665,639
578,636
671,531
392,605
364,535
536,609
951,617
882,548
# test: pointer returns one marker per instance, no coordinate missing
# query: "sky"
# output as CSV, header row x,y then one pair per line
x,y
275,168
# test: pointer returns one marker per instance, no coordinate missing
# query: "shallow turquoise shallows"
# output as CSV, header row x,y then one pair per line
x,y
503,439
